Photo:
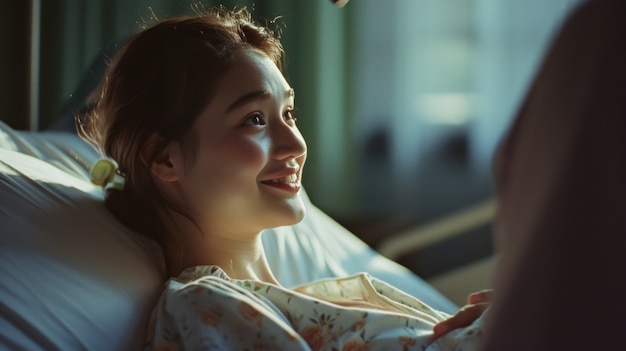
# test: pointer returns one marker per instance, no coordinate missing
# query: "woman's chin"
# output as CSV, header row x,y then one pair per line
x,y
296,213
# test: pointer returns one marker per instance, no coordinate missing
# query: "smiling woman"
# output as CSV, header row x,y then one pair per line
x,y
200,119
244,146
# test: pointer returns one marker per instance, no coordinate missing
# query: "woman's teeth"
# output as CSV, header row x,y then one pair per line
x,y
288,179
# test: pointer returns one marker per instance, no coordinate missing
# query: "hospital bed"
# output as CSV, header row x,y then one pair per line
x,y
72,277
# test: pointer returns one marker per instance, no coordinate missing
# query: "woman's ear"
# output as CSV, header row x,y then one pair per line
x,y
168,164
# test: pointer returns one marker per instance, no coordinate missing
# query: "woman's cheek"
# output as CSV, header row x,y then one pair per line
x,y
249,154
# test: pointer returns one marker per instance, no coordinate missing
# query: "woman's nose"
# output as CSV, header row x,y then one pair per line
x,y
288,142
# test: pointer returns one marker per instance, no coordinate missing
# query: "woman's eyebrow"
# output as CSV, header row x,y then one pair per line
x,y
246,98
255,95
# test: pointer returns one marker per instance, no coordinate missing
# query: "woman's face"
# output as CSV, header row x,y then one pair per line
x,y
247,166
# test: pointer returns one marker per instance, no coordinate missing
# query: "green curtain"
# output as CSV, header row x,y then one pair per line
x,y
72,32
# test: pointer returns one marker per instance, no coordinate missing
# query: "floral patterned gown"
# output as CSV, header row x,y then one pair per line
x,y
204,309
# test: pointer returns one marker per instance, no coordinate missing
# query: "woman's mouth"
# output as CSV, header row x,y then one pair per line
x,y
288,183
292,178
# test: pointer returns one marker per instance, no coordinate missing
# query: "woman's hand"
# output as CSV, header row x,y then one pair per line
x,y
477,303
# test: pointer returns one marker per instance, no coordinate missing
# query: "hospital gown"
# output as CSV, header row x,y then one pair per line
x,y
204,309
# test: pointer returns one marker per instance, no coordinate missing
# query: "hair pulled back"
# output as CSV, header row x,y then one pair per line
x,y
158,84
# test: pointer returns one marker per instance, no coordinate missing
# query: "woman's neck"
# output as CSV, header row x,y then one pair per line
x,y
241,257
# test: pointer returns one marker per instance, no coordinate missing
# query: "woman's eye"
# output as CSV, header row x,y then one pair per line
x,y
255,119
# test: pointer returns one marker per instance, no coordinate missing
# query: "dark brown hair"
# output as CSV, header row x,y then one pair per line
x,y
158,84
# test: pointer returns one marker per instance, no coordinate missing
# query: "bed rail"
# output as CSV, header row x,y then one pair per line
x,y
439,230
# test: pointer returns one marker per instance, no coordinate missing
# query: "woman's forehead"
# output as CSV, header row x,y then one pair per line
x,y
251,72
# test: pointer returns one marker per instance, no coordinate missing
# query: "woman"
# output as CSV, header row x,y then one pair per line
x,y
201,122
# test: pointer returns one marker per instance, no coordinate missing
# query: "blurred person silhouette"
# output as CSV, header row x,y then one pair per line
x,y
560,229
560,226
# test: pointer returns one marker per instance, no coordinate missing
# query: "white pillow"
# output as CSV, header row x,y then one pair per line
x,y
73,277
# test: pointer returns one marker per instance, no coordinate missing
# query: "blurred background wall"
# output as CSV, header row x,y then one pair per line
x,y
402,102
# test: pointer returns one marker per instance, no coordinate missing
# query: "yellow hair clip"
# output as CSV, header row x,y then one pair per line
x,y
104,173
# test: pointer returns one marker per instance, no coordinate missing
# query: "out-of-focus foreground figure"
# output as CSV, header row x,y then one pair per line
x,y
560,173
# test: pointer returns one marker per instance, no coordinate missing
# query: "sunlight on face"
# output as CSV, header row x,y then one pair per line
x,y
249,152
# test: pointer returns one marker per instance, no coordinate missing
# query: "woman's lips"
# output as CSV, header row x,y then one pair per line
x,y
288,183
292,178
